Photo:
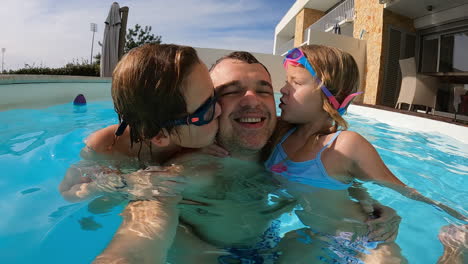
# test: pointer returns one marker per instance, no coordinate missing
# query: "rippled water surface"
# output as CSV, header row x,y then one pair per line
x,y
37,146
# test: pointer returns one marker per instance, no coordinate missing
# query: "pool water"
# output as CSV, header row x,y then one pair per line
x,y
37,147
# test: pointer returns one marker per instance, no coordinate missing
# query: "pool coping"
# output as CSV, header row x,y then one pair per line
x,y
32,78
413,122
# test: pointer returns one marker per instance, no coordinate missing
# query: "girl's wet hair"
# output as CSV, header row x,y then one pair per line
x,y
148,87
339,72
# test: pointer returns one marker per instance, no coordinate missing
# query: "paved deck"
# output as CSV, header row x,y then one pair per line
x,y
449,120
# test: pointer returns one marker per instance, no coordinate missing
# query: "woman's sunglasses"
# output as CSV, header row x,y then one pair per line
x,y
296,57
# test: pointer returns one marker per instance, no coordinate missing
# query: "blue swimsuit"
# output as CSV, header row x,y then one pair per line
x,y
310,172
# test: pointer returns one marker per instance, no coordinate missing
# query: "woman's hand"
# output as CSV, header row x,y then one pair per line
x,y
152,183
215,150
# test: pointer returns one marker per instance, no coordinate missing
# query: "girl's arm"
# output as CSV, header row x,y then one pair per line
x,y
368,166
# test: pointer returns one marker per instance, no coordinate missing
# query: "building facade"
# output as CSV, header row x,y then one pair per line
x,y
434,32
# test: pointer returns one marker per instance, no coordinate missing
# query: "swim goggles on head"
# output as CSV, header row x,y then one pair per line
x,y
202,116
296,57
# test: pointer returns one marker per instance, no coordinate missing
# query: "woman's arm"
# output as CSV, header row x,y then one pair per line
x,y
88,179
368,166
76,186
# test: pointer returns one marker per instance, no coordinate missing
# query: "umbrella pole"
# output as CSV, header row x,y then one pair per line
x,y
123,30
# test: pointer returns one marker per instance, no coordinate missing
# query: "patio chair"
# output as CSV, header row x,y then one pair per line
x,y
460,99
416,89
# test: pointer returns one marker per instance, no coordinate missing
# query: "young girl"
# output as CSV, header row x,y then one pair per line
x,y
317,159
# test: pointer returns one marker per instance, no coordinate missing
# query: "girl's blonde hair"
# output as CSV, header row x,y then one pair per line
x,y
338,71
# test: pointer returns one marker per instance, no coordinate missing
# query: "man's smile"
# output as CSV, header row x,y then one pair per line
x,y
250,119
251,122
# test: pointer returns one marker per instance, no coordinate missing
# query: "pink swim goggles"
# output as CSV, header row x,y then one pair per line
x,y
296,57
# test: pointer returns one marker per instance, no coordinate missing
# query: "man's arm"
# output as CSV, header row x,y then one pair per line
x,y
146,233
149,227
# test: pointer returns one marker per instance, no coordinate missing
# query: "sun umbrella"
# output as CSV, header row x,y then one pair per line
x,y
110,45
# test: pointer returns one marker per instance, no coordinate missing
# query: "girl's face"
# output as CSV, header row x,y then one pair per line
x,y
301,100
199,88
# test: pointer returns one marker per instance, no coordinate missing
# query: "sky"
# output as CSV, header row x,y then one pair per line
x,y
54,32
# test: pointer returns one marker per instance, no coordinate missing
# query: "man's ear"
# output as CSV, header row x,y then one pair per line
x,y
162,139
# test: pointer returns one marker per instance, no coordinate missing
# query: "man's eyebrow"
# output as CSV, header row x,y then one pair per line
x,y
219,89
265,83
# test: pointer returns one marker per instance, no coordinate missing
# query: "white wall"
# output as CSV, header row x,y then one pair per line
x,y
355,47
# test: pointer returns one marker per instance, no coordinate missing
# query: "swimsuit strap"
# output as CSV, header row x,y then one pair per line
x,y
287,135
329,142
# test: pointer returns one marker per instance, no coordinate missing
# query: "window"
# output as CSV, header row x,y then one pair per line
x,y
430,50
456,52
445,52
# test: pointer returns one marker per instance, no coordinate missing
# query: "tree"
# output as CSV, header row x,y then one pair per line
x,y
97,59
139,36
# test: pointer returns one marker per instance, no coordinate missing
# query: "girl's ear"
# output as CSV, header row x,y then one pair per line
x,y
161,139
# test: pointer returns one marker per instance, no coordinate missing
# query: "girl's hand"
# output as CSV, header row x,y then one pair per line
x,y
384,223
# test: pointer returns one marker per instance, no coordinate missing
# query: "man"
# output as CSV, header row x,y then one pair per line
x,y
227,211
226,202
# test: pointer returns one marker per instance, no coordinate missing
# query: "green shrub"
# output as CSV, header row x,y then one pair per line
x,y
69,69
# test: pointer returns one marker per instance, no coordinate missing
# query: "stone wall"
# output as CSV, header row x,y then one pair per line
x,y
305,19
369,17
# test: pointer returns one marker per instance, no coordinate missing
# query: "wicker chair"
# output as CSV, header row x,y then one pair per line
x,y
416,89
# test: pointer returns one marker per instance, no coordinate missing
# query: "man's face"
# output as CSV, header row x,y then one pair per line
x,y
248,107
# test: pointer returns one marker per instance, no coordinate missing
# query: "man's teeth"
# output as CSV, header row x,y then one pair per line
x,y
250,119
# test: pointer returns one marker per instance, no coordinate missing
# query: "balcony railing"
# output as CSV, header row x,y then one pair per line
x,y
283,48
339,15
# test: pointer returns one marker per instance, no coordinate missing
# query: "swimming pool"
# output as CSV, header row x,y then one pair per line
x,y
38,145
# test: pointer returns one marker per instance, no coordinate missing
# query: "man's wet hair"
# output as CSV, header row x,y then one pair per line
x,y
243,56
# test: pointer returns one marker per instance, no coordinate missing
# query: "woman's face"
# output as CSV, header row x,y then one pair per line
x,y
198,89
